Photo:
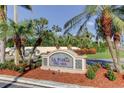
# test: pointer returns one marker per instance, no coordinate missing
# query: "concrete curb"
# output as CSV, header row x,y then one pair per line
x,y
44,83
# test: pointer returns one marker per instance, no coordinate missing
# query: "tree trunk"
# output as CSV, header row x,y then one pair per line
x,y
37,43
17,57
3,14
116,39
18,52
118,55
117,66
2,43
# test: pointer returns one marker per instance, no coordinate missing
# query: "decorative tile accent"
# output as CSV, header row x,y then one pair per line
x,y
45,61
78,64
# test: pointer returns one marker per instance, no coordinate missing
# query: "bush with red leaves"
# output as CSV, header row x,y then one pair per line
x,y
85,51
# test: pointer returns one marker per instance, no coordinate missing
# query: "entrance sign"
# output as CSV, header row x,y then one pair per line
x,y
61,60
64,61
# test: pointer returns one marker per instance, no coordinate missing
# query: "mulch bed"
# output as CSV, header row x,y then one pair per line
x,y
80,79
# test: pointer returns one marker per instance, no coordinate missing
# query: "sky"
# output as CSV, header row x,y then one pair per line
x,y
56,14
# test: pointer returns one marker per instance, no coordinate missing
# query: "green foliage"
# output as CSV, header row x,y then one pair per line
x,y
98,65
2,66
95,67
107,66
12,66
9,43
101,47
33,66
122,66
38,63
21,69
90,73
110,75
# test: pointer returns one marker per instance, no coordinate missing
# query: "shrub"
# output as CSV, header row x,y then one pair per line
x,y
85,51
107,66
122,66
91,51
110,75
90,73
3,66
38,64
21,69
33,66
95,68
12,66
98,65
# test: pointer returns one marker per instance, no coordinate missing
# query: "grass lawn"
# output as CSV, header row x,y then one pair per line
x,y
103,55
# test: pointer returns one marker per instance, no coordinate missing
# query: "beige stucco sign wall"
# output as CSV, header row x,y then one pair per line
x,y
64,61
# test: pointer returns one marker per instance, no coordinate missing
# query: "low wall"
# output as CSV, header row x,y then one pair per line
x,y
39,50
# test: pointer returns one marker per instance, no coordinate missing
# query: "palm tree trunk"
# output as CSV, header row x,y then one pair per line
x,y
3,41
116,39
16,59
107,29
117,66
118,55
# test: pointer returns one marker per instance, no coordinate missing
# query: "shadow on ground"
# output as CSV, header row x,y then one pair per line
x,y
15,80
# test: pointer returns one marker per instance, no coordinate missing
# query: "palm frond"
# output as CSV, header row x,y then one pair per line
x,y
84,24
28,7
73,21
117,22
91,9
118,9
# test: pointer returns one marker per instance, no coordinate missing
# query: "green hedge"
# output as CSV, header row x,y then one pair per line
x,y
12,66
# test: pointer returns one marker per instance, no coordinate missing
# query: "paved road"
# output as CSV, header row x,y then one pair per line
x,y
8,84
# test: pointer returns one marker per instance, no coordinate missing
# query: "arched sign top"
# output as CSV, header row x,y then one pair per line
x,y
69,52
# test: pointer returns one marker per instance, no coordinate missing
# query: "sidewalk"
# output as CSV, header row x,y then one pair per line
x,y
43,83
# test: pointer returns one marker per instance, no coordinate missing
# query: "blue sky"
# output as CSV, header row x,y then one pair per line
x,y
56,14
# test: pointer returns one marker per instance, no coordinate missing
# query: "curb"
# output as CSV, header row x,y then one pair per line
x,y
43,83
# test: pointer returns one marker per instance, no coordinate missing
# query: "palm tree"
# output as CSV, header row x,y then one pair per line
x,y
39,25
17,36
20,33
108,18
3,14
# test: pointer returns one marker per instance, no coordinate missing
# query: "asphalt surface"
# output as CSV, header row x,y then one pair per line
x,y
9,84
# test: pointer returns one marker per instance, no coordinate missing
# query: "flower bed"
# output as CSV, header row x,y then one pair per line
x,y
99,81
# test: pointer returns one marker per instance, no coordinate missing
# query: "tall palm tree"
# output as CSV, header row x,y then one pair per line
x,y
39,25
3,14
17,36
20,33
108,18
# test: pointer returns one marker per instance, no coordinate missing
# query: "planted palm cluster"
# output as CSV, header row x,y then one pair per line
x,y
110,75
92,70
